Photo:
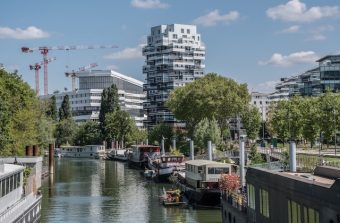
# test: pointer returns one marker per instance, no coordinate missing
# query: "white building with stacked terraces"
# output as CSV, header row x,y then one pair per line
x,y
174,57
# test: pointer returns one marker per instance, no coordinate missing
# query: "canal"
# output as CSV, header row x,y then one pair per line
x,y
87,190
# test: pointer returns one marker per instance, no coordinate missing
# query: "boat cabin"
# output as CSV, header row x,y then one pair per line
x,y
88,151
139,152
205,174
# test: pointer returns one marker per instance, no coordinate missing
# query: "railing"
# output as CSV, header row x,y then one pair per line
x,y
236,200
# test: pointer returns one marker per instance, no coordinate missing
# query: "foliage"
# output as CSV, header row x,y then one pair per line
x,y
212,96
88,134
109,103
136,136
175,152
46,129
160,131
310,119
254,155
51,108
118,126
207,130
19,114
251,121
229,182
65,109
65,132
26,174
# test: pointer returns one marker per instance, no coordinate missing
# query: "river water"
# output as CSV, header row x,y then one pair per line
x,y
87,190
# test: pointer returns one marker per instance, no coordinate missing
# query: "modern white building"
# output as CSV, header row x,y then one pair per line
x,y
261,102
174,57
85,101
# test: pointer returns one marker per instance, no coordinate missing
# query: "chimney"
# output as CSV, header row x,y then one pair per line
x,y
209,150
292,156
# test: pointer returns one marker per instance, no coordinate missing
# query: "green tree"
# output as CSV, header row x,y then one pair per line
x,y
51,110
160,131
118,126
254,156
19,114
65,132
212,96
310,119
207,130
251,121
88,133
109,102
65,109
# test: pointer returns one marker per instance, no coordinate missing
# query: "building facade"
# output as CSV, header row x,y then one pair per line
x,y
261,102
174,57
85,101
286,197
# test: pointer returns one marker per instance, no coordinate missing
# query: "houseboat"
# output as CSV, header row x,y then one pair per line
x,y
119,154
88,151
20,200
200,181
139,155
164,166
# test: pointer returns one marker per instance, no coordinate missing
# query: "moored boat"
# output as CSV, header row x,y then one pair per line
x,y
165,165
200,181
139,155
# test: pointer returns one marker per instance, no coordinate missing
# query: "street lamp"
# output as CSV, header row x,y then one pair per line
x,y
334,112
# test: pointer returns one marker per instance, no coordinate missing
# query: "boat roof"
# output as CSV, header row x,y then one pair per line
x,y
205,162
9,169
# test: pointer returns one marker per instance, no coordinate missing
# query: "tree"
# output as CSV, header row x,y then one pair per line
x,y
109,102
88,133
65,109
118,126
310,119
65,132
51,110
251,121
254,156
207,130
19,114
212,96
160,131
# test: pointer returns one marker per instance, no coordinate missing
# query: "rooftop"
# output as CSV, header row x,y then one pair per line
x,y
10,168
204,162
327,57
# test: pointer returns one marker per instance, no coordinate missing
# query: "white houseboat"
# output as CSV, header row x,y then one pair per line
x,y
19,202
165,165
139,155
200,181
88,151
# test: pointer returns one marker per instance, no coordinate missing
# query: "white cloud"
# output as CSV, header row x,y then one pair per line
x,y
127,53
112,67
318,33
296,11
291,29
30,32
265,87
293,58
214,17
149,4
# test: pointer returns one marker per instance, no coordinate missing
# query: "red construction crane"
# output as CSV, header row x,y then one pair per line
x,y
36,67
73,74
45,49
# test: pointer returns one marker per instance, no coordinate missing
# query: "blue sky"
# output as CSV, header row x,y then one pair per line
x,y
254,42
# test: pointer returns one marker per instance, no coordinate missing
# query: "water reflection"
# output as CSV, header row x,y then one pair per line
x,y
107,191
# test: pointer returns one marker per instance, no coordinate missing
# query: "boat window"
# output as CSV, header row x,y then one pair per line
x,y
7,185
3,187
18,179
217,170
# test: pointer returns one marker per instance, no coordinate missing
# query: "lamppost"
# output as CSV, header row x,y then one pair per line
x,y
263,128
334,112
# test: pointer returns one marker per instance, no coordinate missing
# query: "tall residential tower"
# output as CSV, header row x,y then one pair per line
x,y
174,57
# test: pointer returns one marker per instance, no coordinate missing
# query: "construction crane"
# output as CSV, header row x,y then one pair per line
x,y
45,49
36,67
73,74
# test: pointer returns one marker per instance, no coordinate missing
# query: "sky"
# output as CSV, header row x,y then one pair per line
x,y
253,42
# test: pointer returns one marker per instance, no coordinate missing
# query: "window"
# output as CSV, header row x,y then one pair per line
x,y
310,215
264,203
188,31
294,215
182,30
251,196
